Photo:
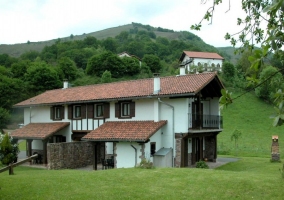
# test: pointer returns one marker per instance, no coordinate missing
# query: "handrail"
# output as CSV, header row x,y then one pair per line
x,y
10,167
205,121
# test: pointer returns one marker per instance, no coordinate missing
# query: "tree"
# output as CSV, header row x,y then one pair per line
x,y
229,70
153,62
268,88
41,77
263,25
67,69
131,65
106,77
8,149
4,119
98,64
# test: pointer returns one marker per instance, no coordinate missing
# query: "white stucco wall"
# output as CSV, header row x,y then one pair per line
x,y
202,61
126,154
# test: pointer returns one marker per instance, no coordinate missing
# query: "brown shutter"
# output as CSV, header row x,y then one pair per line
x,y
70,112
52,113
90,111
132,109
62,112
106,110
117,110
83,111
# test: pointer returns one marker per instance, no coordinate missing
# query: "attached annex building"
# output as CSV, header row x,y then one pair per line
x,y
172,121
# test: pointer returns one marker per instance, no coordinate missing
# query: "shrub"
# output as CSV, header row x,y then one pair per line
x,y
202,164
8,149
146,164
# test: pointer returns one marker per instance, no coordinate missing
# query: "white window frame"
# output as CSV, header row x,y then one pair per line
x,y
125,109
77,111
101,108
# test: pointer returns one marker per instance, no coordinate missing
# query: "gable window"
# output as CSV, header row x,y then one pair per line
x,y
77,112
57,113
125,109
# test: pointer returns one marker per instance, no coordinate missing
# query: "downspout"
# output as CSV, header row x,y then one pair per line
x,y
173,116
30,114
135,155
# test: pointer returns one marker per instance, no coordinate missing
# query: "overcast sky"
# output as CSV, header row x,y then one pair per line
x,y
40,20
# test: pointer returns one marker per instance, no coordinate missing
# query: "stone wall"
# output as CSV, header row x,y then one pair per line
x,y
210,148
70,155
178,138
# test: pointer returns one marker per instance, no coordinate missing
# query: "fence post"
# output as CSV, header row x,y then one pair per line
x,y
11,171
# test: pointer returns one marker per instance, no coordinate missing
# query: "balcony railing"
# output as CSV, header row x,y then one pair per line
x,y
197,121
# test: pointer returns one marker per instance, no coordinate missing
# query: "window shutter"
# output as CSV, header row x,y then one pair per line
x,y
52,113
106,110
83,111
132,109
70,112
62,112
90,111
117,110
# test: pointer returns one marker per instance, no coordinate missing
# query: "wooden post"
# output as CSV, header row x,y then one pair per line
x,y
95,156
29,141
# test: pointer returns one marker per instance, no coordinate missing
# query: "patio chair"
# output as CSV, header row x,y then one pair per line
x,y
110,163
104,163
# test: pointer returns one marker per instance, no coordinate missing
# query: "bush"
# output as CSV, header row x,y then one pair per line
x,y
202,164
8,149
146,164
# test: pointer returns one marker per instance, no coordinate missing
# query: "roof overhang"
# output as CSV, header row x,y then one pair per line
x,y
39,131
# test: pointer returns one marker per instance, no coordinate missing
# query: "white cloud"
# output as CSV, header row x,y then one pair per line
x,y
37,20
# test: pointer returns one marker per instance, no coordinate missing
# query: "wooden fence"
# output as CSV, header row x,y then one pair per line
x,y
12,165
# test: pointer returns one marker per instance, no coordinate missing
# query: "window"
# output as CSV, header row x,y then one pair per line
x,y
125,109
205,66
99,110
153,148
77,112
57,113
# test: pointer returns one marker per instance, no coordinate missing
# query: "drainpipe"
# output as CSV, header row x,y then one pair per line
x,y
30,114
135,155
173,116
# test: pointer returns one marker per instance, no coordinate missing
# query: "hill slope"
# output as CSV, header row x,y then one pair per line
x,y
250,115
16,50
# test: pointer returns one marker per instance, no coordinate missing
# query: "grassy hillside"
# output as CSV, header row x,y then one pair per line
x,y
250,115
16,50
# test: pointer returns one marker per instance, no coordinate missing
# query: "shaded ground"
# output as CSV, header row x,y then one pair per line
x,y
219,162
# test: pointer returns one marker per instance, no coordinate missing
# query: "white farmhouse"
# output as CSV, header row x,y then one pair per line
x,y
201,61
171,121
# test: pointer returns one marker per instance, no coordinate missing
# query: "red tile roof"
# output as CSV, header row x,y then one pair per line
x,y
38,130
194,54
170,86
139,131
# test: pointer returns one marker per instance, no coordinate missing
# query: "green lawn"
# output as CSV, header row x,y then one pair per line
x,y
251,116
249,178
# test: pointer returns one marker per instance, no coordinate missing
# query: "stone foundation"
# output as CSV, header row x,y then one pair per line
x,y
210,148
69,155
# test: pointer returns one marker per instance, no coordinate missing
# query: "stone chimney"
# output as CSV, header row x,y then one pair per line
x,y
157,87
65,84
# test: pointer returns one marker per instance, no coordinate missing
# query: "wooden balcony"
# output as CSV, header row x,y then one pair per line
x,y
197,122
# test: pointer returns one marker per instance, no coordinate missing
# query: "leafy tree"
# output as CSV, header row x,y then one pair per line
x,y
20,68
8,149
91,41
41,77
98,64
110,44
4,118
131,65
106,77
271,79
270,35
153,62
229,70
67,69
30,55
